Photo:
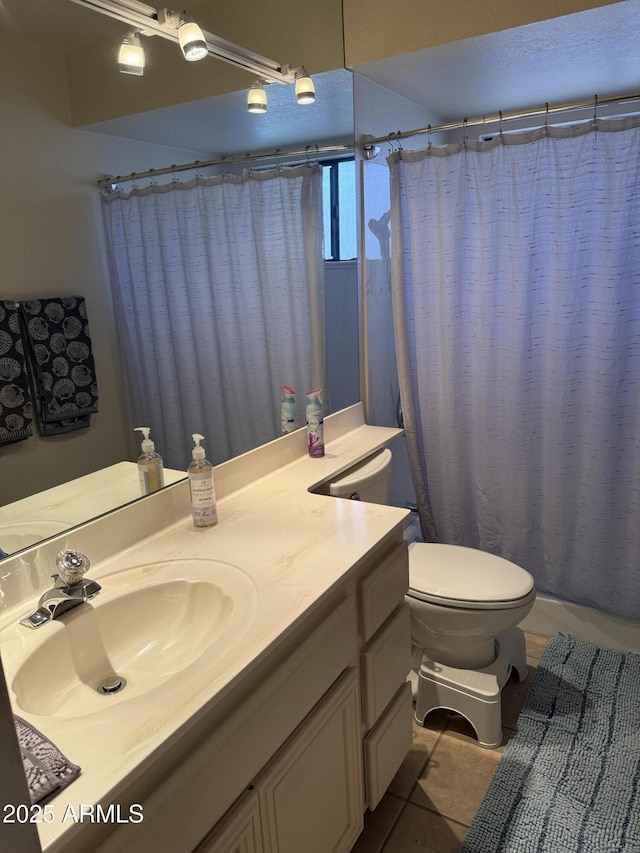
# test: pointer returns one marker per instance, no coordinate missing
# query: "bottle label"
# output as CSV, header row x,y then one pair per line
x,y
151,478
315,434
203,501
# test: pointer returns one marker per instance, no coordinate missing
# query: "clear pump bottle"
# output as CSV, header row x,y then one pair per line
x,y
150,467
203,496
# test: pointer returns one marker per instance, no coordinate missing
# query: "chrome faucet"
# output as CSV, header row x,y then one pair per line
x,y
70,589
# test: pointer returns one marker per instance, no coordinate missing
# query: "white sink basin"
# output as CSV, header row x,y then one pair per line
x,y
154,626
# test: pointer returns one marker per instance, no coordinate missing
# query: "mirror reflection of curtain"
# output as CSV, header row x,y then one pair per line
x,y
219,295
516,287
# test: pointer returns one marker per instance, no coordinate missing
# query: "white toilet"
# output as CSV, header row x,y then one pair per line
x,y
465,606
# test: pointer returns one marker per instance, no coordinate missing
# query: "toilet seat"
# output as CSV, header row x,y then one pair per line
x,y
466,578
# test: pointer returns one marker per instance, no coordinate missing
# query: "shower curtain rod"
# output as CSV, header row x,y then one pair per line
x,y
546,110
308,151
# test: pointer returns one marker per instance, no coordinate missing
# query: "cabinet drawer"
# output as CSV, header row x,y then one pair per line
x,y
386,662
386,746
380,592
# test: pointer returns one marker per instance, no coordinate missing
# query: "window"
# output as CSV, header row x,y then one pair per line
x,y
339,203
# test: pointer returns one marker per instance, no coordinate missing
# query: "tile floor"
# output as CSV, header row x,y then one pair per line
x,y
437,790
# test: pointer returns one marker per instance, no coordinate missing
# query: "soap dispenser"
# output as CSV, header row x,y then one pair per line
x,y
203,496
150,468
315,424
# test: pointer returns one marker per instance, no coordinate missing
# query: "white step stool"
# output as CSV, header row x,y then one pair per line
x,y
474,693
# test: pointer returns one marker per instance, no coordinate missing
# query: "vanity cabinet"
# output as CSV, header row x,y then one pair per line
x,y
311,738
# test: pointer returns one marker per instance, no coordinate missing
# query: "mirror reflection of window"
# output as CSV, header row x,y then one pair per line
x,y
339,207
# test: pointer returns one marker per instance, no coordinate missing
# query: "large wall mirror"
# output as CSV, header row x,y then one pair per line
x,y
75,119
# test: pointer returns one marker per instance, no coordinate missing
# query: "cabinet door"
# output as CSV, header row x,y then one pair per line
x,y
311,794
239,831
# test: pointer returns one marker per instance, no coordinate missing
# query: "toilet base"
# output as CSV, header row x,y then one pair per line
x,y
473,693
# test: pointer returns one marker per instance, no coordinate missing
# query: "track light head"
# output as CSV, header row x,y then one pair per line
x,y
192,41
305,90
257,98
131,55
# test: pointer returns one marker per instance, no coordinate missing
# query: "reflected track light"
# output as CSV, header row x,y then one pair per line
x,y
305,90
192,41
257,98
131,55
196,43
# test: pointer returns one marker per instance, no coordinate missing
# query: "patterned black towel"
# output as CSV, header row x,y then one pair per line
x,y
16,406
46,768
62,363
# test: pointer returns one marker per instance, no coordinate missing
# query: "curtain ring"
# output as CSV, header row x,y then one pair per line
x,y
546,118
465,130
500,128
429,142
595,112
399,140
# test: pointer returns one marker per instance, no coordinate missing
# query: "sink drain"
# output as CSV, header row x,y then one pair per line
x,y
113,684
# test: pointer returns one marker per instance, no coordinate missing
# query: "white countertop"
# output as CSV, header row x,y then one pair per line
x,y
294,545
47,513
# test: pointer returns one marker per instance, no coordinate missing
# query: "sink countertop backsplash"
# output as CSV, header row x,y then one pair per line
x,y
294,545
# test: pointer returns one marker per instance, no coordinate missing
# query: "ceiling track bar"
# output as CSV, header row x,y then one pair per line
x,y
163,22
314,151
595,102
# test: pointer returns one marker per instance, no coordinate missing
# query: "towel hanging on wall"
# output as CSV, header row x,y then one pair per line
x,y
61,359
16,405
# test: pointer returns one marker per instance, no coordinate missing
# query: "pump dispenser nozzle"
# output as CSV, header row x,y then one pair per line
x,y
147,445
198,452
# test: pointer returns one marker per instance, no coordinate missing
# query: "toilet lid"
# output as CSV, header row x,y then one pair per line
x,y
465,577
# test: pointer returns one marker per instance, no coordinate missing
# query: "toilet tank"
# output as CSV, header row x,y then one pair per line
x,y
369,480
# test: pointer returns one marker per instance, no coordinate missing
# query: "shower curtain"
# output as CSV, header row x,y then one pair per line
x,y
218,286
516,298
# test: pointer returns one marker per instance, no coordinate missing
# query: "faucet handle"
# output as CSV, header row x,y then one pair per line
x,y
71,566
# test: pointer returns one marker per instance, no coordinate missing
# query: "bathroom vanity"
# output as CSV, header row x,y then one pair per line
x,y
273,729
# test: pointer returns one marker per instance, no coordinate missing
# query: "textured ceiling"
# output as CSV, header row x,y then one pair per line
x,y
563,59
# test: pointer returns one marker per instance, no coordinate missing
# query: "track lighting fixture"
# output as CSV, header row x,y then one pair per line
x,y
196,44
131,55
192,41
257,98
305,90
